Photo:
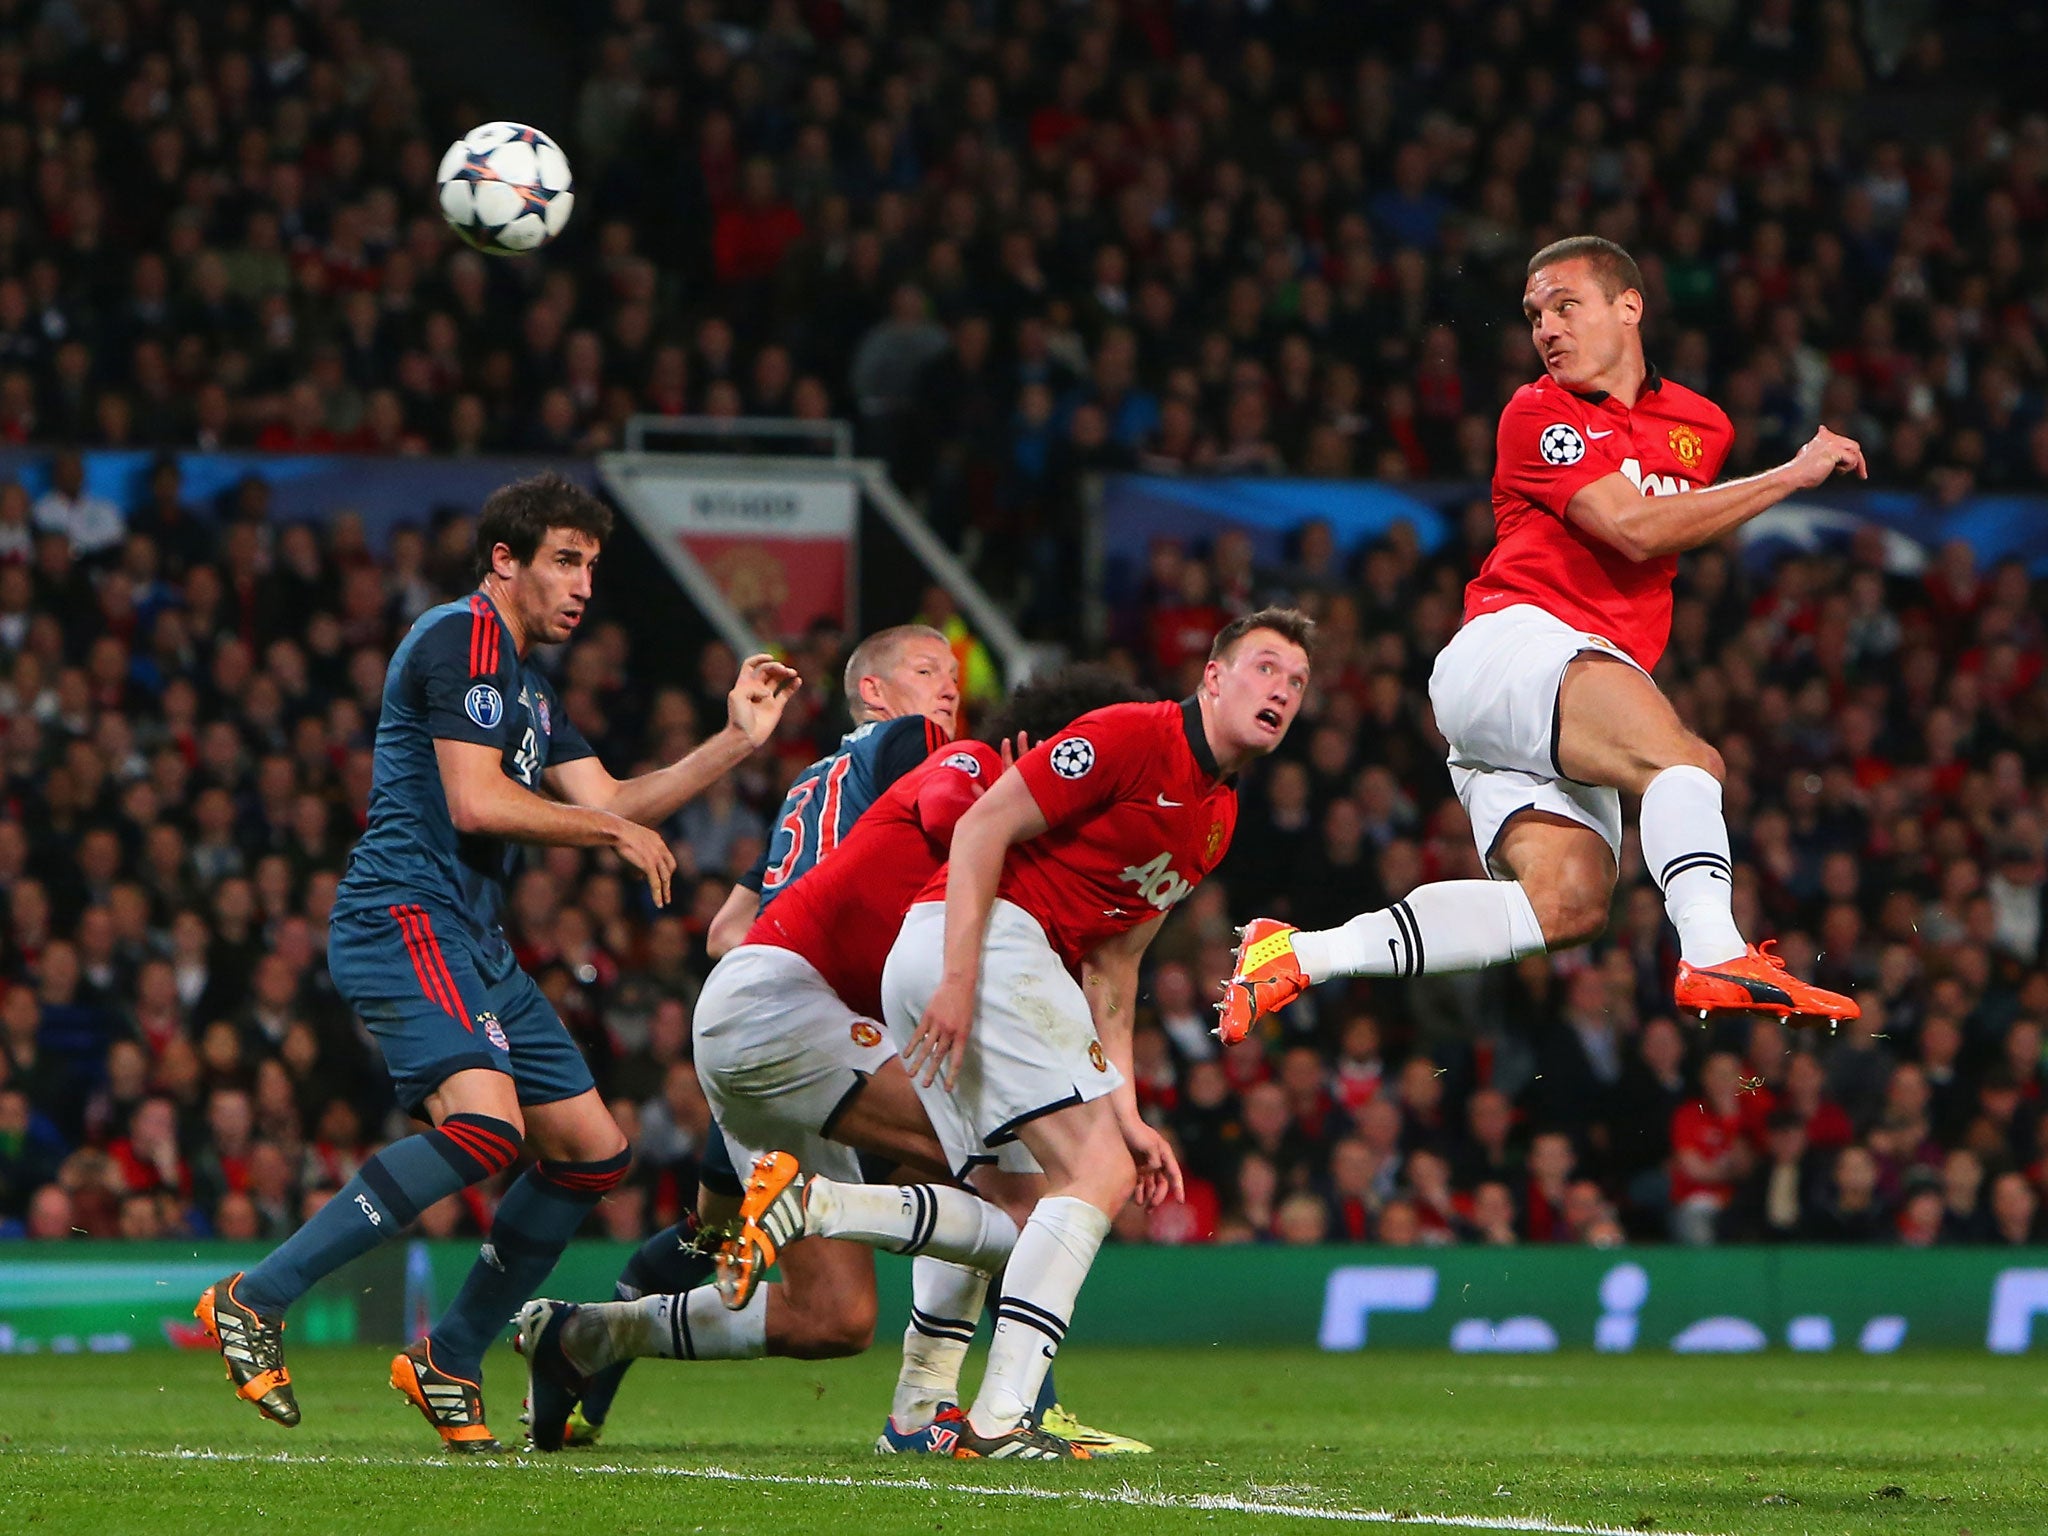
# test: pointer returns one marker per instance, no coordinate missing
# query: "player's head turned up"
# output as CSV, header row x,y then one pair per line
x,y
1254,683
1043,706
907,669
537,541
1584,305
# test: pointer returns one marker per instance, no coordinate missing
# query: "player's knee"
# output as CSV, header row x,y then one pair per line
x,y
1573,903
1110,1180
1688,751
827,1323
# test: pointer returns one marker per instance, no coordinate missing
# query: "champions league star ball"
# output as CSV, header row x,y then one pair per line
x,y
506,188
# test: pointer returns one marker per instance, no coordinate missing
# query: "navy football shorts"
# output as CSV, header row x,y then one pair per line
x,y
437,1005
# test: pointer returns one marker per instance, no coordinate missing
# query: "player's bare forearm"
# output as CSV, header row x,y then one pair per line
x,y
1003,817
974,872
483,802
1614,510
652,798
1109,978
1647,527
729,928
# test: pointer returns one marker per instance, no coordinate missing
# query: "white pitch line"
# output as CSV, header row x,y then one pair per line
x,y
1126,1494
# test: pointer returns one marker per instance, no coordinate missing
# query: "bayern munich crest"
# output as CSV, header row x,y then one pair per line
x,y
1561,444
1073,757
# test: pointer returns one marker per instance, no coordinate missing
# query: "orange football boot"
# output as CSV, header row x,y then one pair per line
x,y
1267,978
1757,982
252,1348
454,1405
771,1217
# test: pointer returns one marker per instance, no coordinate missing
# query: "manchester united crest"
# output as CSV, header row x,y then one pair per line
x,y
1095,1056
1215,842
1688,446
866,1035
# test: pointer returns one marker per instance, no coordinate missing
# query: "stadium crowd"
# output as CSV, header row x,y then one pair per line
x,y
1052,240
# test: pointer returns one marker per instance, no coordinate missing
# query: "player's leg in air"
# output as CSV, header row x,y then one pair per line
x,y
783,1061
677,1258
1545,726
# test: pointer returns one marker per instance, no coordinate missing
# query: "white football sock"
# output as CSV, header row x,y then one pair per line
x,y
1452,925
1685,849
1054,1251
945,1305
695,1325
947,1223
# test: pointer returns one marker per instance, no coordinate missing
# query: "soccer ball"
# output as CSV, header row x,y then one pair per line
x,y
505,188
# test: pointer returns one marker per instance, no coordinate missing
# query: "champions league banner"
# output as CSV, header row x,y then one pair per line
x,y
1131,511
112,1297
383,492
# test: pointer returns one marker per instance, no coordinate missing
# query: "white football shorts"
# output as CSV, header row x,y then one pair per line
x,y
1033,1047
779,1056
1494,689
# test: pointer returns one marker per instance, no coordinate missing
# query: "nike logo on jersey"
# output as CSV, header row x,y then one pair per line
x,y
1596,436
1166,804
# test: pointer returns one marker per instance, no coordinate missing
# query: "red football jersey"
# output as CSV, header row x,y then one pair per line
x,y
1137,814
843,915
1552,442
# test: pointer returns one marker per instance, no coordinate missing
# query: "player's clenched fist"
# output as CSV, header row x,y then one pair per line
x,y
941,1036
648,852
754,707
1826,454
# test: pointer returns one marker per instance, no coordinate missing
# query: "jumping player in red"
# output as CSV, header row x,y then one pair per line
x,y
1601,481
1012,984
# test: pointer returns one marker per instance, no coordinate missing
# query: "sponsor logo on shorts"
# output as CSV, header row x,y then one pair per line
x,y
866,1035
966,762
1073,757
1561,444
493,1030
1095,1057
484,704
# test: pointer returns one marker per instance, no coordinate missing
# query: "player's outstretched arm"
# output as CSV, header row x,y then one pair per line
x,y
483,802
729,928
753,710
1647,527
1006,815
1109,978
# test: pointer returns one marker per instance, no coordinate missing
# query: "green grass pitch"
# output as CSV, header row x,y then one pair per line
x,y
1248,1442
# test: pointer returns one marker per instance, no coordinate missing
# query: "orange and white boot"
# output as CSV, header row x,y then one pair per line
x,y
1757,982
1267,977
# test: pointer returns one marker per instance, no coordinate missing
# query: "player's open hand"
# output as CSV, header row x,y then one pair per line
x,y
754,707
1010,749
648,852
941,1037
1159,1177
1827,454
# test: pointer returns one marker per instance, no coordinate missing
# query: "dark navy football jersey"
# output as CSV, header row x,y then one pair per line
x,y
456,677
829,796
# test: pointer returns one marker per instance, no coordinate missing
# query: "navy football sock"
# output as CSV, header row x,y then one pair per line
x,y
535,1221
1048,1394
379,1203
665,1265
